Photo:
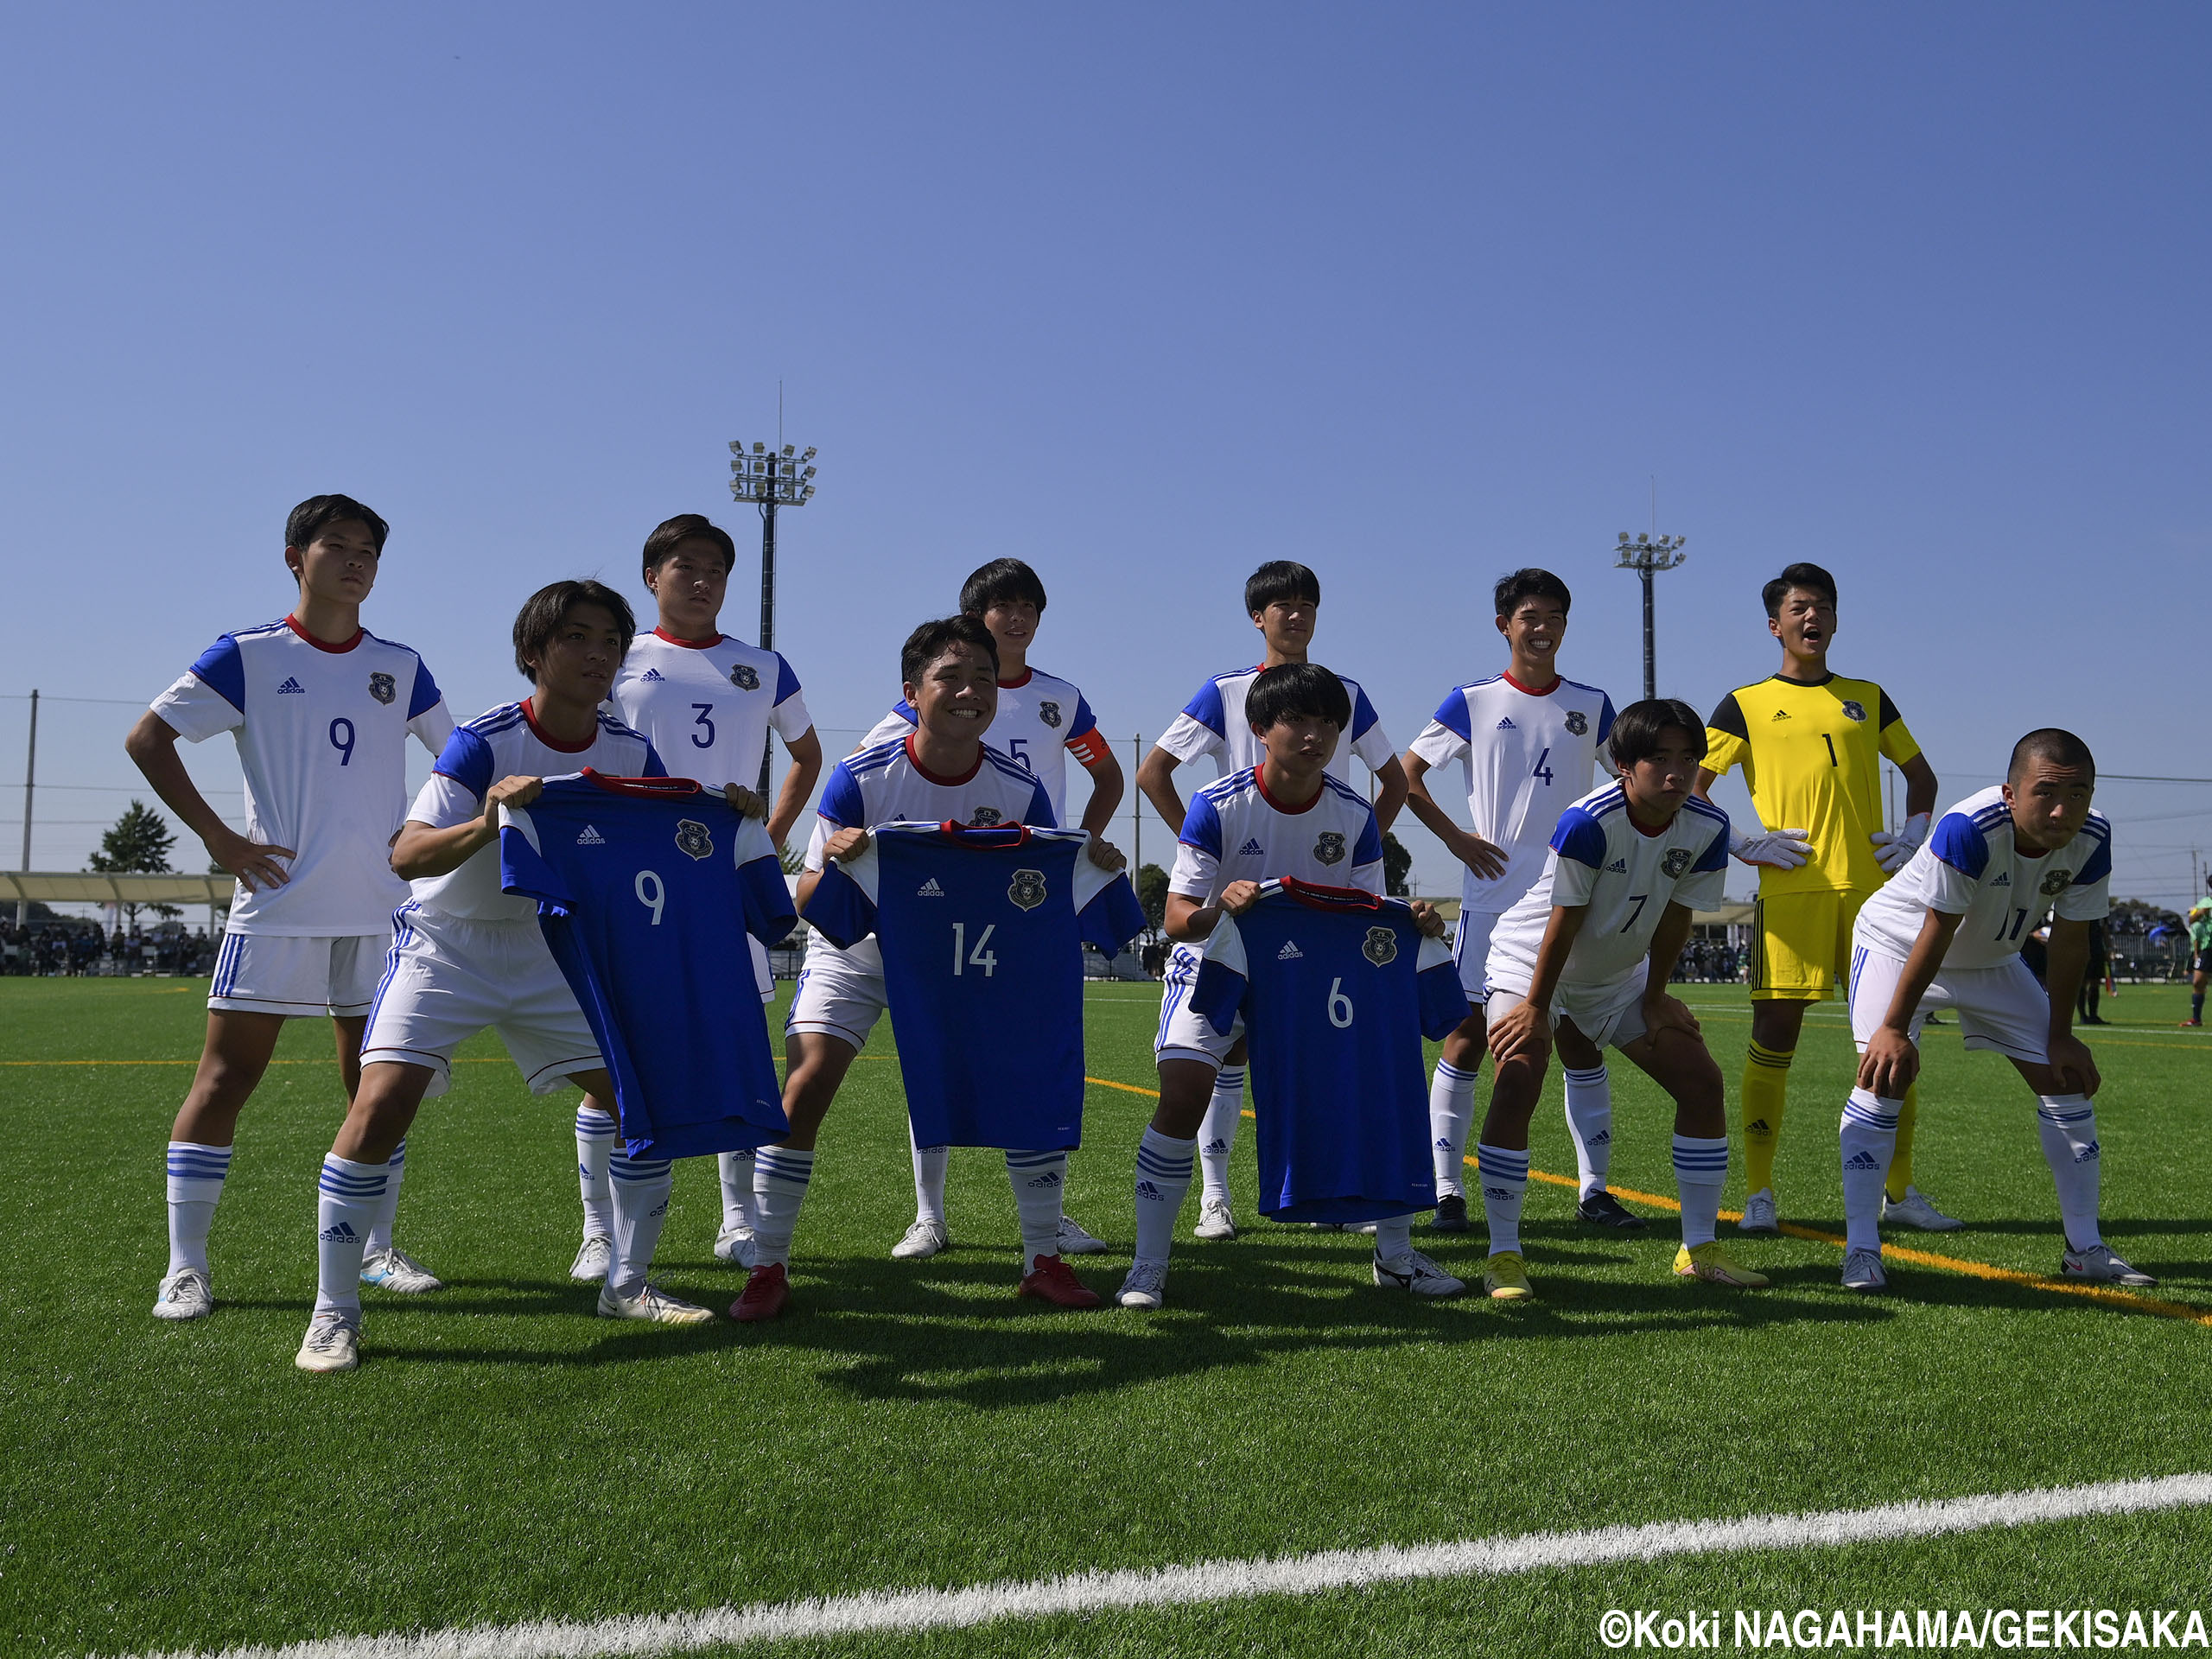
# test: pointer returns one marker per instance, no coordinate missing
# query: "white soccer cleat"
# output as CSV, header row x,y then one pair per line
x,y
394,1270
1215,1220
1862,1270
594,1257
2099,1263
1366,1227
185,1295
1758,1213
923,1240
333,1343
733,1245
1146,1285
1414,1272
1914,1210
1075,1241
652,1305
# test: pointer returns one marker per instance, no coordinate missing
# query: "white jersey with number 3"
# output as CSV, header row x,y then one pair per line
x,y
707,705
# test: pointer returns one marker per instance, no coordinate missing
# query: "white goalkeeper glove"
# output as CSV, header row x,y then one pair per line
x,y
1890,851
1786,849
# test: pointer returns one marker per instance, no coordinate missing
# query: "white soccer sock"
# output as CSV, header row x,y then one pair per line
x,y
2068,1124
1450,1117
1393,1237
1869,1137
736,1169
1039,1183
348,1197
1218,1135
1590,1122
779,1179
641,1189
1163,1180
594,1141
929,1179
396,1170
196,1175
1701,1171
1504,1175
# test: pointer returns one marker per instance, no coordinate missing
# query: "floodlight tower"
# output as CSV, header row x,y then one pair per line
x,y
1644,555
770,478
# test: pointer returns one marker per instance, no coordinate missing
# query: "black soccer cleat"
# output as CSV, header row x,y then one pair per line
x,y
1602,1209
1450,1215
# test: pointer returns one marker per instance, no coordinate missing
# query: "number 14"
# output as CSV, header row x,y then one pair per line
x,y
979,957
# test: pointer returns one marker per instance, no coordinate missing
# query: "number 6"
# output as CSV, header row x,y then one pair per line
x,y
651,899
1339,1001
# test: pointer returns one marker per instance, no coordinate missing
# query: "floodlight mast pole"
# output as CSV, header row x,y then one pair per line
x,y
769,479
1647,555
30,785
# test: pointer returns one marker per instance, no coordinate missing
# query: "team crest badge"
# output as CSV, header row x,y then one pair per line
x,y
381,689
1049,713
1577,721
1675,862
1330,847
692,839
984,819
1381,946
2055,883
745,677
1854,710
1027,888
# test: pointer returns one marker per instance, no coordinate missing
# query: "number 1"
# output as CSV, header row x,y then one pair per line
x,y
1830,742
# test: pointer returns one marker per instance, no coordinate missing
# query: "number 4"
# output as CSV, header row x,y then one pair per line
x,y
986,960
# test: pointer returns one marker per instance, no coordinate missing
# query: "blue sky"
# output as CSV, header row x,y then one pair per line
x,y
1144,296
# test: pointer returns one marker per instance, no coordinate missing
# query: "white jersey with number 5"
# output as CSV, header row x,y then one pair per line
x,y
1040,718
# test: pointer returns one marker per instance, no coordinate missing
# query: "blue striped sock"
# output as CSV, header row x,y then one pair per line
x,y
641,1186
1163,1180
348,1198
195,1185
1039,1185
1218,1135
780,1175
1867,1139
2068,1124
595,1140
1504,1175
1590,1122
1451,1115
396,1168
1701,1171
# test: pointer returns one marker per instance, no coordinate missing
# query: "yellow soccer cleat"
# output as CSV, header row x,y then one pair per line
x,y
1505,1278
1712,1263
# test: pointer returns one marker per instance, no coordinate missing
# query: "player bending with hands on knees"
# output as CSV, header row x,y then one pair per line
x,y
1288,817
1283,599
467,956
1587,953
940,773
1945,931
322,710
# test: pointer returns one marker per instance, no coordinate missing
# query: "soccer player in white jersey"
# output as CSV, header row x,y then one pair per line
x,y
322,710
1945,931
708,702
940,773
1286,816
467,956
1283,599
1527,741
1590,949
1041,720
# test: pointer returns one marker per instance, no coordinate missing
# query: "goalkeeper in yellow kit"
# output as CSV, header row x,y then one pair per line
x,y
1811,745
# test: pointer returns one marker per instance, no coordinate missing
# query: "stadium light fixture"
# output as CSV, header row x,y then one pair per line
x,y
1647,555
769,480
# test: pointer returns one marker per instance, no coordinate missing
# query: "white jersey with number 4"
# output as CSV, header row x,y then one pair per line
x,y
708,704
1525,755
1040,718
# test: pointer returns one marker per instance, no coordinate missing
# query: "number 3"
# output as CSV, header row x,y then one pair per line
x,y
1340,1005
650,897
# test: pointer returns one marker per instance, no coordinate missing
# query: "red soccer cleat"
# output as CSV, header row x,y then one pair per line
x,y
1055,1281
767,1290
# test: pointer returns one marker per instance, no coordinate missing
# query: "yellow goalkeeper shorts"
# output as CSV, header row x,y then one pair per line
x,y
1803,944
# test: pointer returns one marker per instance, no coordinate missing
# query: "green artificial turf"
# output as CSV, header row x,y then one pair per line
x,y
501,1455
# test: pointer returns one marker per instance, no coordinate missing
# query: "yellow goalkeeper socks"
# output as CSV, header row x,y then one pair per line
x,y
1901,1164
1766,1090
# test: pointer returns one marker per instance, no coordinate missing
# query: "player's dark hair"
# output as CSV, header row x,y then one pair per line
x,y
1529,582
1637,729
308,520
996,582
1279,580
2057,747
1296,692
1810,577
546,611
660,546
932,640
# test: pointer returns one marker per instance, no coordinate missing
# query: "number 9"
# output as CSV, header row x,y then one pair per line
x,y
342,740
650,897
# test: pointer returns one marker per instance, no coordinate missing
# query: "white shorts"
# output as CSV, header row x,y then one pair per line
x,y
840,992
1471,953
1185,1035
269,973
447,978
2002,1007
1612,1016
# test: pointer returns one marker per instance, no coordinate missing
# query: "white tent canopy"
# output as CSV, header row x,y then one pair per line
x,y
90,887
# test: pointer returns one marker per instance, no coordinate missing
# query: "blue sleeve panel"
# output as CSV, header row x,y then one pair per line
x,y
1958,841
467,758
221,668
1580,837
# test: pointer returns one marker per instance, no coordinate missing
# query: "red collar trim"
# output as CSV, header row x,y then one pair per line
x,y
1315,895
996,836
1530,690
359,634
660,632
1628,811
943,783
1027,675
658,788
530,718
1260,783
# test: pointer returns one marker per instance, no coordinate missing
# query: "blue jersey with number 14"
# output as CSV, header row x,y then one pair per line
x,y
646,888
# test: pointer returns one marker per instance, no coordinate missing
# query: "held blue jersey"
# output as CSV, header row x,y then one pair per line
x,y
1337,988
647,890
982,933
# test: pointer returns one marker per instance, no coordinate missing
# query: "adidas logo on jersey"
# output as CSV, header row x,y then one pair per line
x,y
2003,878
1781,714
1252,849
591,837
291,685
1507,725
652,674
1861,1160
928,889
1290,952
1618,867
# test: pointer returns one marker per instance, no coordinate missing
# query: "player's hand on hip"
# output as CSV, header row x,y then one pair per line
x,y
2074,1065
1240,896
744,801
1485,858
252,862
1521,1031
1105,853
1665,1012
1426,919
1786,849
844,845
1892,850
1888,1065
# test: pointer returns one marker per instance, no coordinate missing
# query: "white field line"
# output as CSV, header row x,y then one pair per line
x,y
1208,1581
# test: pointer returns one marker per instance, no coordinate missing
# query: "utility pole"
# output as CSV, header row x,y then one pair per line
x,y
1647,555
769,479
30,784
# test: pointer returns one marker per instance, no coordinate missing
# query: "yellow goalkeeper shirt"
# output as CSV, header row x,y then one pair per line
x,y
1812,756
